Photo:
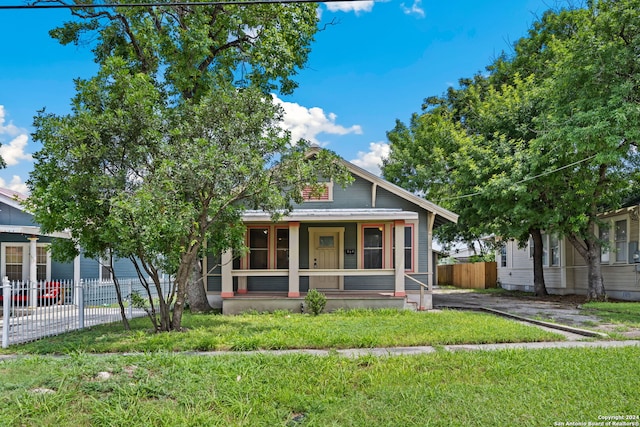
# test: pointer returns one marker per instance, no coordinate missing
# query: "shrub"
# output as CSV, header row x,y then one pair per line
x,y
316,301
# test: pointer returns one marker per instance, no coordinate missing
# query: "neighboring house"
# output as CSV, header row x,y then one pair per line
x,y
565,271
24,254
342,243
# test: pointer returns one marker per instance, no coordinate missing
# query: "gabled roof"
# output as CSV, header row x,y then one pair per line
x,y
442,215
12,198
15,200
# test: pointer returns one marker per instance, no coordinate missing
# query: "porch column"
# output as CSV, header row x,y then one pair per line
x,y
399,259
431,217
294,259
227,279
33,271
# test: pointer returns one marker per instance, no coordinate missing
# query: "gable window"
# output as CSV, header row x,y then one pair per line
x,y
408,247
282,248
258,248
372,250
621,240
309,194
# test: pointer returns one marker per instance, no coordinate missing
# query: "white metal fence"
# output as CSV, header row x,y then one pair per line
x,y
31,311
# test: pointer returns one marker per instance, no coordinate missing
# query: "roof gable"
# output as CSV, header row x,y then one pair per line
x,y
443,214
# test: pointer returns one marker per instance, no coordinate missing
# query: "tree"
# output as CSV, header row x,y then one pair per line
x,y
594,95
176,136
548,140
466,150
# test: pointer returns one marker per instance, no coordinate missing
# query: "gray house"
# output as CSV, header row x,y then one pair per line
x,y
24,254
343,243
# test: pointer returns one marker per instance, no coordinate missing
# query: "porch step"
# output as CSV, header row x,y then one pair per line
x,y
410,305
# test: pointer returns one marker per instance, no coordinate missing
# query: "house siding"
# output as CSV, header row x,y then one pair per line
x,y
12,216
621,279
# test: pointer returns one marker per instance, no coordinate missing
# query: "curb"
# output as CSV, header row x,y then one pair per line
x,y
571,329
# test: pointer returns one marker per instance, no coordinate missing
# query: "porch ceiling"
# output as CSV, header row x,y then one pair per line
x,y
317,215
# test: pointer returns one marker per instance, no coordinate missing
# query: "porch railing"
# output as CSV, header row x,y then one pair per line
x,y
31,311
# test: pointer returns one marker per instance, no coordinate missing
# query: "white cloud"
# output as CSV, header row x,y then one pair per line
x,y
308,123
350,6
13,152
16,184
9,129
372,160
416,8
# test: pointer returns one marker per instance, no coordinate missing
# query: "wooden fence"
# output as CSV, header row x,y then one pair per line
x,y
479,275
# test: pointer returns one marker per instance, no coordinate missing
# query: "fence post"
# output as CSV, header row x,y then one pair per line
x,y
80,291
130,299
6,305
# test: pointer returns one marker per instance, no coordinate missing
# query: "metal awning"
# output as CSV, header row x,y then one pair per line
x,y
324,215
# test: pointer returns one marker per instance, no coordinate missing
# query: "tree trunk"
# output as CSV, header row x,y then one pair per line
x,y
196,293
539,287
589,249
182,278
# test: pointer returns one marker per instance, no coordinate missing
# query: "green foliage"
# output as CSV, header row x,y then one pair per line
x,y
545,140
178,389
316,301
164,148
138,301
489,257
339,329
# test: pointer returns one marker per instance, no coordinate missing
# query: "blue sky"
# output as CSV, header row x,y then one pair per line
x,y
376,64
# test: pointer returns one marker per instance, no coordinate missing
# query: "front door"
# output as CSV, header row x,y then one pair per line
x,y
324,254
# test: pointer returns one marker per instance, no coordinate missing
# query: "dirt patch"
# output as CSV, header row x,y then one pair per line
x,y
562,309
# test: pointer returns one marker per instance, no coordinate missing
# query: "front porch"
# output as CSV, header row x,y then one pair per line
x,y
271,301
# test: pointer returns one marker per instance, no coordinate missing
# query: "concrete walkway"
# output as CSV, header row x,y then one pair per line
x,y
382,352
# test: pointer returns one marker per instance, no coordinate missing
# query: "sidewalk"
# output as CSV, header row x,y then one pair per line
x,y
382,352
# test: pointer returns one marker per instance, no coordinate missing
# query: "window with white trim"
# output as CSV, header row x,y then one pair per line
x,y
554,249
531,247
621,240
372,241
105,268
604,237
503,255
14,258
41,263
15,261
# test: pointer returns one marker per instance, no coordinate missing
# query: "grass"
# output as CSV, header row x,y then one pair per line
x,y
622,313
501,388
282,330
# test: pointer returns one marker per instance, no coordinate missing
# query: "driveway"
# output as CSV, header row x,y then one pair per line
x,y
564,310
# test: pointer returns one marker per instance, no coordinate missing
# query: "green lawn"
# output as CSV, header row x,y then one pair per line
x,y
499,388
622,313
282,330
